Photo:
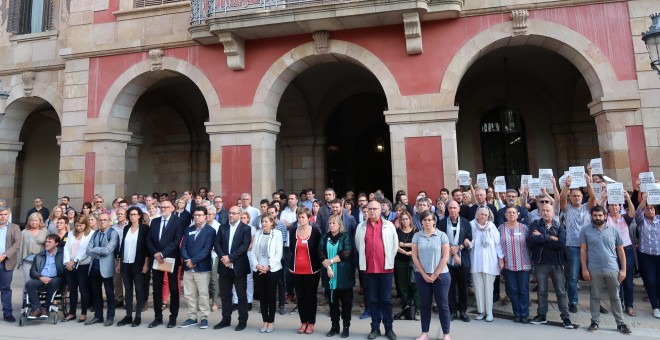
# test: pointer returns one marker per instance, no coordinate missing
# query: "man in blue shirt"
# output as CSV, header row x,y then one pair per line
x,y
47,271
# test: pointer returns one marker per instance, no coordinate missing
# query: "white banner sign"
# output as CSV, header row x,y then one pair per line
x,y
524,180
598,190
463,178
654,194
596,166
615,193
577,174
545,175
482,181
534,186
500,184
645,179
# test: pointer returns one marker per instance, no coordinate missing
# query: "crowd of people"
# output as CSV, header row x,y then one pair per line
x,y
292,244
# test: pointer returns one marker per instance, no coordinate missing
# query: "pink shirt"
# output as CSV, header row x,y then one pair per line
x,y
622,226
374,249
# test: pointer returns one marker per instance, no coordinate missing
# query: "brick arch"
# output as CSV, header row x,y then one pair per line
x,y
19,107
117,106
288,66
577,49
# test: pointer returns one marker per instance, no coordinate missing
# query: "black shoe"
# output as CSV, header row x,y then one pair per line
x,y
434,309
234,307
136,322
567,323
623,328
9,318
125,321
390,334
171,323
240,326
344,333
516,319
603,310
119,304
250,307
539,319
535,289
222,325
524,320
465,317
93,321
593,327
375,333
572,307
454,316
109,322
333,331
156,323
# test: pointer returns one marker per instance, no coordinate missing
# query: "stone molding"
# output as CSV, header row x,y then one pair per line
x,y
442,114
520,24
11,146
321,41
231,127
611,104
234,49
412,28
156,56
108,136
28,82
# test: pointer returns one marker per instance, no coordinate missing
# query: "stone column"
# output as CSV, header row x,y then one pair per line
x,y
260,135
303,163
612,115
109,149
440,122
131,167
8,152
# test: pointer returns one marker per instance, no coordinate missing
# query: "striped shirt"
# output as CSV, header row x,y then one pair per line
x,y
514,246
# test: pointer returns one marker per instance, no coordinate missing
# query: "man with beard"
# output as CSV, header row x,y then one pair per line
x,y
599,246
512,199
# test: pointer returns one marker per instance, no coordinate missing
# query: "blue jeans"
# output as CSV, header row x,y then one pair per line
x,y
517,289
379,295
6,277
427,291
626,287
573,266
649,265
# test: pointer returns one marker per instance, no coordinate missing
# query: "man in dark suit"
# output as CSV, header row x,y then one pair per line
x,y
458,230
231,245
163,242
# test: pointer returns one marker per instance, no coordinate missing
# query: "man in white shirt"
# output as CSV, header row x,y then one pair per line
x,y
246,200
288,215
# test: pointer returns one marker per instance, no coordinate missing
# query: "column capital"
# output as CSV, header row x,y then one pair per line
x,y
426,115
243,126
614,104
108,136
10,146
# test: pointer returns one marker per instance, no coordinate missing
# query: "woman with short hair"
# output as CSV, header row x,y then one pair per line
x,y
265,260
33,239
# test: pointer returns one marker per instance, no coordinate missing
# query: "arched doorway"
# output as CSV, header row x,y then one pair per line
x,y
38,163
332,124
555,127
170,148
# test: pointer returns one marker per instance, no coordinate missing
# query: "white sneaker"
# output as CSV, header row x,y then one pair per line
x,y
656,313
481,316
489,318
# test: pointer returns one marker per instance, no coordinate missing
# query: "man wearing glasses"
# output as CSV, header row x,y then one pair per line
x,y
102,249
163,241
541,201
38,207
98,205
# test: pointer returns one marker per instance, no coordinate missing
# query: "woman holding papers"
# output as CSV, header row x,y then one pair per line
x,y
134,262
648,227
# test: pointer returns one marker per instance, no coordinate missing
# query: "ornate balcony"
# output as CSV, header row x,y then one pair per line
x,y
255,19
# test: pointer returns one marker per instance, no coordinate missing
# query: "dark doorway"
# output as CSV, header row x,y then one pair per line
x,y
503,145
358,153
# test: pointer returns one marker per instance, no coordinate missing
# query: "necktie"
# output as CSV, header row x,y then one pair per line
x,y
101,239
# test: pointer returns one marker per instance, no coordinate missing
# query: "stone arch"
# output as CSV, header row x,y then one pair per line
x,y
286,68
19,107
117,106
576,48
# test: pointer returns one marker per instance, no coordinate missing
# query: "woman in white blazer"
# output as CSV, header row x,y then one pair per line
x,y
265,260
76,263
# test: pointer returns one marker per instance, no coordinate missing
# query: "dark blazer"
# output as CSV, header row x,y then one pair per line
x,y
169,242
12,245
141,251
345,271
185,215
198,249
40,262
312,244
465,232
474,207
544,250
221,216
239,248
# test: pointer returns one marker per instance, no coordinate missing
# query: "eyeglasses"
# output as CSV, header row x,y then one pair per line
x,y
372,209
104,220
199,215
98,201
427,220
233,213
166,207
133,214
544,202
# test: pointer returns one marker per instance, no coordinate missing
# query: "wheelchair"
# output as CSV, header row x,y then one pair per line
x,y
58,302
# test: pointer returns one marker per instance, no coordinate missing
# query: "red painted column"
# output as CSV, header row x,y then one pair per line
x,y
424,165
236,172
639,161
88,182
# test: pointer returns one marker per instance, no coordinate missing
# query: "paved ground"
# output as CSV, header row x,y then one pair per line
x,y
644,325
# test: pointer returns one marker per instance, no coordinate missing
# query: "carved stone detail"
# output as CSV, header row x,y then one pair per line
x,y
321,41
519,18
156,56
234,49
28,82
413,31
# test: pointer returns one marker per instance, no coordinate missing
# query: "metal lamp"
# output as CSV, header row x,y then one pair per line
x,y
652,40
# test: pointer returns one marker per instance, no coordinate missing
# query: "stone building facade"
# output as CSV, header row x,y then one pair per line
x,y
122,96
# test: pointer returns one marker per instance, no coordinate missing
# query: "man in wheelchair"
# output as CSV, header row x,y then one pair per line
x,y
47,273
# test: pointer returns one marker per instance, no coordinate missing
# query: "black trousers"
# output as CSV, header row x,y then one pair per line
x,y
281,277
174,293
132,277
267,286
78,280
146,279
343,297
99,283
306,286
226,282
458,287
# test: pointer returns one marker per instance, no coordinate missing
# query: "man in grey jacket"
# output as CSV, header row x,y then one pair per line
x,y
102,249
